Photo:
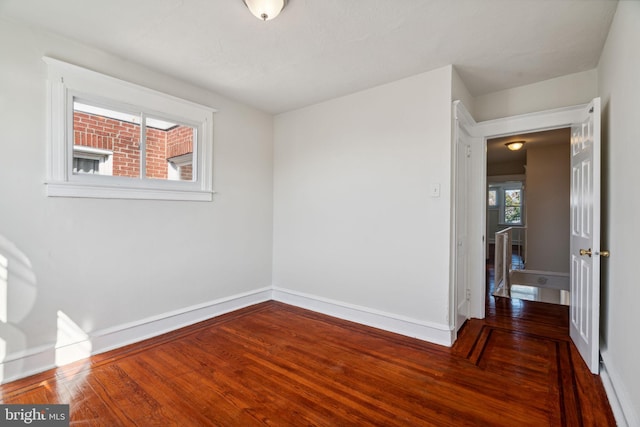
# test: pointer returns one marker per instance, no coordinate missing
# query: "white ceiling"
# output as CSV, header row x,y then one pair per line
x,y
320,49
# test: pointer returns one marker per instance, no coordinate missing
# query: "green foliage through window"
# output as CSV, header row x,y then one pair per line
x,y
512,206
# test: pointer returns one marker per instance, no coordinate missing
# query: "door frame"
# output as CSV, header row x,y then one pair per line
x,y
524,123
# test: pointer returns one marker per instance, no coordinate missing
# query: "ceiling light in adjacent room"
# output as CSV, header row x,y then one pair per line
x,y
515,145
265,9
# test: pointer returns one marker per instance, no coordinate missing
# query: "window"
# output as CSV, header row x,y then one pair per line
x,y
492,199
91,160
118,135
113,139
512,206
507,199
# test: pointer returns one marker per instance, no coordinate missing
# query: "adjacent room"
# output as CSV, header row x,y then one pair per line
x,y
529,188
290,212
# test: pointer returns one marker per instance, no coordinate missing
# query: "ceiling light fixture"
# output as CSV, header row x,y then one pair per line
x,y
515,145
265,9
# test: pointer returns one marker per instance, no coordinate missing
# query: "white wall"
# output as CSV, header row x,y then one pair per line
x,y
619,87
572,89
354,222
547,194
106,263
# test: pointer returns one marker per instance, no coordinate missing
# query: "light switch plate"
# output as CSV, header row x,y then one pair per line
x,y
435,190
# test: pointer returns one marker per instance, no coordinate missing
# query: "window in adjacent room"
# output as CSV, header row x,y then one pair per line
x,y
492,199
505,200
513,206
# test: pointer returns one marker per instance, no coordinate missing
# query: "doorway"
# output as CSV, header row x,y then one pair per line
x,y
528,197
585,252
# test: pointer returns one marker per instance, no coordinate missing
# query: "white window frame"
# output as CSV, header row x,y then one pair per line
x,y
503,207
67,82
502,183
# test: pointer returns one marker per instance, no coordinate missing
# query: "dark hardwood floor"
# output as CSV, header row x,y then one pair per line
x,y
274,364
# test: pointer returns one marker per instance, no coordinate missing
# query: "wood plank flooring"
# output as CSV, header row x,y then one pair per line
x,y
274,364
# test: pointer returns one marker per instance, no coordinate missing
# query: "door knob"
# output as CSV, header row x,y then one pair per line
x,y
604,254
584,252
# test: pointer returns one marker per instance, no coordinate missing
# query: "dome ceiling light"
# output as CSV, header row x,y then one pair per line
x,y
265,10
515,145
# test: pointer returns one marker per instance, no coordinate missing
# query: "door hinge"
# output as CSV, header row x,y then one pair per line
x,y
468,151
590,110
468,294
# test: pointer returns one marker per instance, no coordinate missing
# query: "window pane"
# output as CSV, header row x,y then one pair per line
x,y
493,198
110,137
512,215
169,150
512,197
512,206
88,166
156,158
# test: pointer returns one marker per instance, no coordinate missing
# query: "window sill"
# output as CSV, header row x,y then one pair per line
x,y
66,189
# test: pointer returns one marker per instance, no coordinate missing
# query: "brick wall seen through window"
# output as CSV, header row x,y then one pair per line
x,y
122,138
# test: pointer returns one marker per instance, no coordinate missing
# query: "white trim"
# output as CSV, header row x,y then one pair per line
x,y
128,333
462,123
67,189
530,122
465,122
22,364
68,81
464,118
426,331
619,400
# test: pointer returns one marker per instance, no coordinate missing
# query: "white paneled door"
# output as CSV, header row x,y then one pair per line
x,y
462,225
462,220
585,235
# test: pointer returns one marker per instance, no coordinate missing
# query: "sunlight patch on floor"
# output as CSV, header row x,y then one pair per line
x,y
533,293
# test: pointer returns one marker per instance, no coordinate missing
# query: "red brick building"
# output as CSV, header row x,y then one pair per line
x,y
111,146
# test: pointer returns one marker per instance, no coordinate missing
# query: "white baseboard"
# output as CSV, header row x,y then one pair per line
x,y
26,363
426,331
23,364
621,405
121,335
